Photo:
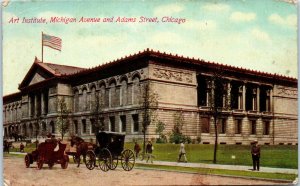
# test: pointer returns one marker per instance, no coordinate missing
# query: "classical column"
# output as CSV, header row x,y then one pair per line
x,y
35,105
244,97
271,100
42,104
257,98
228,95
29,106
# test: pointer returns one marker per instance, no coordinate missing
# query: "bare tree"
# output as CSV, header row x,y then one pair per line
x,y
96,110
62,119
218,101
149,104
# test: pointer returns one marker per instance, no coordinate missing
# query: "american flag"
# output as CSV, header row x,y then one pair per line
x,y
52,42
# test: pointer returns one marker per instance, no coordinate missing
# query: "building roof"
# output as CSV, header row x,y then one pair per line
x,y
48,70
58,70
184,60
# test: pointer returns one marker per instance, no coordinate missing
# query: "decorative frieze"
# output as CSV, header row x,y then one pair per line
x,y
284,91
173,75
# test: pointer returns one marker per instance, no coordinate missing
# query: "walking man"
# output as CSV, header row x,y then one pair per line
x,y
149,149
255,151
137,149
182,152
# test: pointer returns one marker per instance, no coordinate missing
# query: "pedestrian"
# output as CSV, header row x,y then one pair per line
x,y
137,149
22,147
149,149
182,152
255,152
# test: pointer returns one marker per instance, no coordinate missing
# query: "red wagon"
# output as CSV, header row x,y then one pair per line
x,y
46,153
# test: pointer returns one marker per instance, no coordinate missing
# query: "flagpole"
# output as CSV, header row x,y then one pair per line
x,y
42,49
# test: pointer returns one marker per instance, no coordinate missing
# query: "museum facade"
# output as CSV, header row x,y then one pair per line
x,y
254,105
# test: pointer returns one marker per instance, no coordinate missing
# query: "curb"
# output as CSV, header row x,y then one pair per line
x,y
222,175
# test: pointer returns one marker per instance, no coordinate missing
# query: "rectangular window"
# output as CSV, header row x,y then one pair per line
x,y
238,126
253,126
75,126
266,127
135,119
93,126
205,125
123,123
112,124
222,126
102,126
83,126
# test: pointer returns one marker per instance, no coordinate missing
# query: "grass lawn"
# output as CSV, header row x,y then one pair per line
x,y
281,156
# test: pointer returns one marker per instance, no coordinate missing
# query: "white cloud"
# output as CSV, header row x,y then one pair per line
x,y
217,7
200,25
290,20
168,10
260,35
242,17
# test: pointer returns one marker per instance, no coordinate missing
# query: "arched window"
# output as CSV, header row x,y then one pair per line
x,y
76,101
123,92
84,99
94,99
135,90
112,94
102,95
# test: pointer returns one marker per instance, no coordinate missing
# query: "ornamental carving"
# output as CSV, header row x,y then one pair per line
x,y
173,75
287,91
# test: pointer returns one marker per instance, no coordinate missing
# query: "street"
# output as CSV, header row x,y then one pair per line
x,y
16,174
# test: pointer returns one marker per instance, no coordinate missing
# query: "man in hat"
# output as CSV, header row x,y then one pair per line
x,y
255,151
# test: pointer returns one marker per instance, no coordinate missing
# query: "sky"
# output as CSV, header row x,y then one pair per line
x,y
253,34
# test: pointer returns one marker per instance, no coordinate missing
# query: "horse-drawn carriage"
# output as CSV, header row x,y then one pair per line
x,y
47,154
109,152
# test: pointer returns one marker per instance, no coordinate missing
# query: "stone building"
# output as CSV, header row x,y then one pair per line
x,y
260,106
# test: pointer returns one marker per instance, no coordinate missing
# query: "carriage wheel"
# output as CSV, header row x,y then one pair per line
x,y
64,164
105,159
127,159
90,160
50,165
114,164
27,161
40,163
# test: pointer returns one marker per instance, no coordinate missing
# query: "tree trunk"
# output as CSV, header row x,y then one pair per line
x,y
216,141
144,142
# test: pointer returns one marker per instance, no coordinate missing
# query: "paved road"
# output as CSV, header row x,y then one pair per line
x,y
15,173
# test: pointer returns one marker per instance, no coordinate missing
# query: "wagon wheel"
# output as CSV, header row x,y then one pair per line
x,y
40,163
90,160
114,164
50,165
27,161
105,159
127,159
65,162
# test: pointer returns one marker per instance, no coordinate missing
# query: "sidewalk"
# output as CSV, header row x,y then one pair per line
x,y
227,167
214,166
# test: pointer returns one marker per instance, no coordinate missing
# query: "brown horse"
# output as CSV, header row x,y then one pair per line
x,y
81,148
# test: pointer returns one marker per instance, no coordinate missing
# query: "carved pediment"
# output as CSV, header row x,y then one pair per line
x,y
36,78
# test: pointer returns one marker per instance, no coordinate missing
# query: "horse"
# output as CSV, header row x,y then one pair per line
x,y
81,148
